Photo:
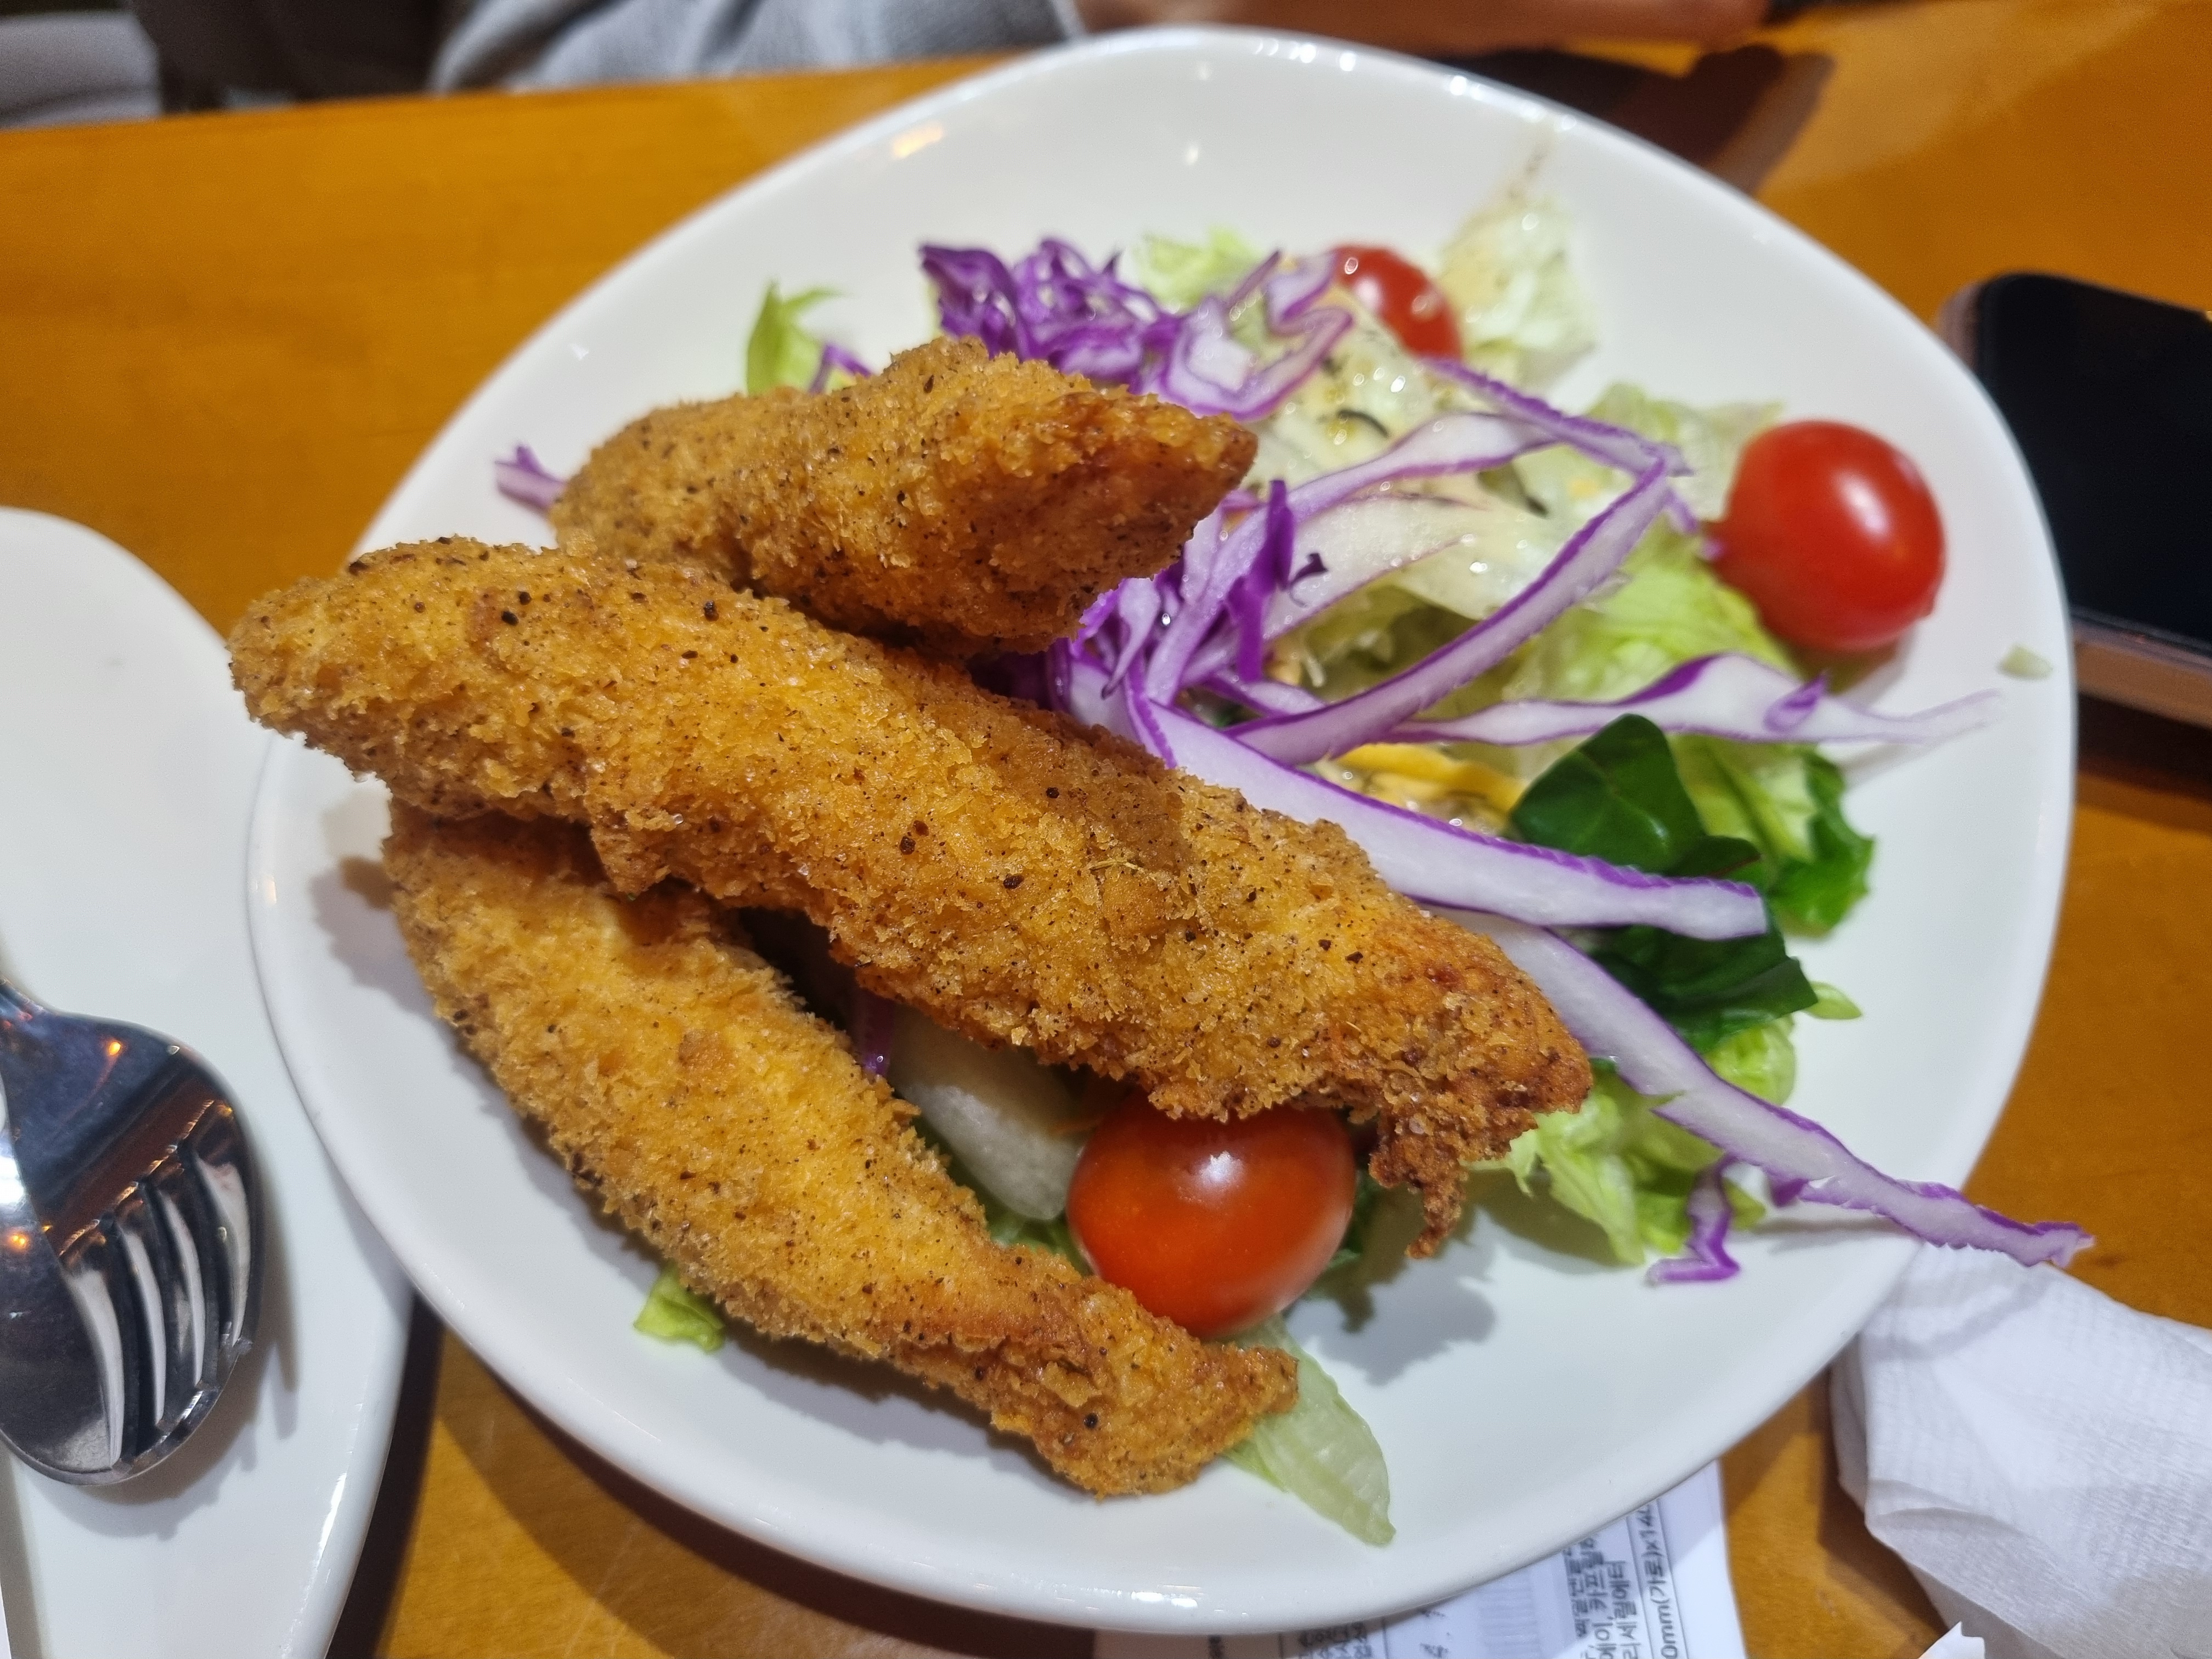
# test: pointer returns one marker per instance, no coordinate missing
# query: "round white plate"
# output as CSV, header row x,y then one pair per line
x,y
1522,1395
125,783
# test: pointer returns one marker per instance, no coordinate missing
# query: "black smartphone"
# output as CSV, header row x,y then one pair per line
x,y
2109,396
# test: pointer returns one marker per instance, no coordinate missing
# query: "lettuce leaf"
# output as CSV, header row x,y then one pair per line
x,y
1320,1451
1813,893
1618,1164
1569,485
1665,608
779,352
676,1314
1761,1060
1523,314
1180,274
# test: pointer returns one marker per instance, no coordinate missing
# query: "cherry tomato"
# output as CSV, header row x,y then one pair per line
x,y
1832,535
1402,298
1213,1224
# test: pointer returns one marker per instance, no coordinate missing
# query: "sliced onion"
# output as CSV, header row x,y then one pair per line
x,y
1430,861
1721,696
1594,553
1808,1161
1012,1120
522,477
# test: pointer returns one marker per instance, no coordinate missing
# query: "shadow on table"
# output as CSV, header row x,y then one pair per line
x,y
667,1625
2163,767
383,1547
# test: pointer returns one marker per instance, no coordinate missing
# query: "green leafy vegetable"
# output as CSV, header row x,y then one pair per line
x,y
1180,274
1788,801
1812,895
1619,1166
780,351
1523,315
1619,796
676,1314
1666,608
1759,1059
1320,1451
1832,1004
1708,990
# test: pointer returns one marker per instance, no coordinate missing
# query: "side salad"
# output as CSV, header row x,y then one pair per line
x,y
1550,669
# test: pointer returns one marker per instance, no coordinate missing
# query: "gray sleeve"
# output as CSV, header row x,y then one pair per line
x,y
559,43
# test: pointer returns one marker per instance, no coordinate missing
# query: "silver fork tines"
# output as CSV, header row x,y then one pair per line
x,y
127,1200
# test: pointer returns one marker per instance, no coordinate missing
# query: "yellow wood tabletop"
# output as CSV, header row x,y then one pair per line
x,y
222,338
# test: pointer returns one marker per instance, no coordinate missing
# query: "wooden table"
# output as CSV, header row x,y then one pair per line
x,y
222,338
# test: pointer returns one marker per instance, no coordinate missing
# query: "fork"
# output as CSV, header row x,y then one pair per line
x,y
131,1241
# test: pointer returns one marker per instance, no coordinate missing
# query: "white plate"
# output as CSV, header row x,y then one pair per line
x,y
125,783
1523,1396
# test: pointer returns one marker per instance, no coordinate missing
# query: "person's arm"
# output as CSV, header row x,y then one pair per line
x,y
1451,27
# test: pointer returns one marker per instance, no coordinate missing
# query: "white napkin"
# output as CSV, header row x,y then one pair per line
x,y
2040,1456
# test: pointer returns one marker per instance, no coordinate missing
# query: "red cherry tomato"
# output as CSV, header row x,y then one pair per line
x,y
1213,1224
1402,296
1832,535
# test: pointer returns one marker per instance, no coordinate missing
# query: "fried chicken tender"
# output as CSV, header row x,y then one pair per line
x,y
957,502
674,1071
1008,872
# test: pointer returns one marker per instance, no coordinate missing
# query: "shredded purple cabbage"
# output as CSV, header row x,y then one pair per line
x,y
836,360
1594,552
522,478
1704,1255
1429,861
1055,307
1721,696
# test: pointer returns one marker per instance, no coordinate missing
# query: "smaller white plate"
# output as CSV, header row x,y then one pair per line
x,y
125,783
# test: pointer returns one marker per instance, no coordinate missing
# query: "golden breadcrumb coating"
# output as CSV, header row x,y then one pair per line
x,y
956,501
675,1072
1012,874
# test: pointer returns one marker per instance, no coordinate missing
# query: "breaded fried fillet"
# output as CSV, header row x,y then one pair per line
x,y
674,1071
957,502
1009,873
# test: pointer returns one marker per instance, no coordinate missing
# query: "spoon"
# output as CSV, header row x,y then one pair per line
x,y
130,1243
